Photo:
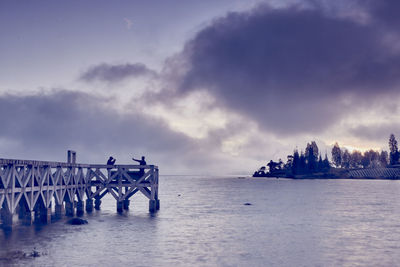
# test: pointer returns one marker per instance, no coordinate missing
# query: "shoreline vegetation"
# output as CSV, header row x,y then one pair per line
x,y
344,164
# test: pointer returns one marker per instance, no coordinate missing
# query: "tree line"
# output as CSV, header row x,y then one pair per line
x,y
311,161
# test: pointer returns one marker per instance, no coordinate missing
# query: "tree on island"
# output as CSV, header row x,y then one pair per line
x,y
307,162
336,155
326,164
311,156
303,164
320,165
355,159
296,162
346,159
383,158
394,152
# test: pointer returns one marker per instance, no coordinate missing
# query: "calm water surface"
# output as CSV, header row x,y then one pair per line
x,y
203,222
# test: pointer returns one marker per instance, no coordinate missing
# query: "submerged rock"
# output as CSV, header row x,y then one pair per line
x,y
77,221
34,253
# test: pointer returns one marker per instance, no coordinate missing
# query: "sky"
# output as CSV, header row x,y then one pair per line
x,y
198,87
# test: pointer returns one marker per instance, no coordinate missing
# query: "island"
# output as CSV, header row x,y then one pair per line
x,y
344,164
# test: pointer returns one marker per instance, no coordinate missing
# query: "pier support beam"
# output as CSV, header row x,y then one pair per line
x,y
152,206
126,204
60,211
89,205
119,206
97,204
80,208
6,218
70,208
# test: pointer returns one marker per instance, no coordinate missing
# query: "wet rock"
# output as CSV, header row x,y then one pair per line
x,y
77,221
34,253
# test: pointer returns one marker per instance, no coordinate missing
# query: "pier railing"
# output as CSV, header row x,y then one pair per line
x,y
29,187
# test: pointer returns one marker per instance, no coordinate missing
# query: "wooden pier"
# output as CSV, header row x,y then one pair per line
x,y
29,188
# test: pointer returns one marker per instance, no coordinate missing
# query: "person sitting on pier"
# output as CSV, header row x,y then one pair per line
x,y
141,162
111,161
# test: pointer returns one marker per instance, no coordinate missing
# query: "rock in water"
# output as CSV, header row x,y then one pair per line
x,y
77,221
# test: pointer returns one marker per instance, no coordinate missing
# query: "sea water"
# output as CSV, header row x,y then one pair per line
x,y
204,221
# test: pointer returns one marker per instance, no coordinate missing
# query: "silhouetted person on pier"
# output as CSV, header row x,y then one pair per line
x,y
141,162
111,161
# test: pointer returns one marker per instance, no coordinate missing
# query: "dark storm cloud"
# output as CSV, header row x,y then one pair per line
x,y
114,73
292,69
44,126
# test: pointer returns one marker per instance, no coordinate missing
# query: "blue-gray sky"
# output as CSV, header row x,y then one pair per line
x,y
196,86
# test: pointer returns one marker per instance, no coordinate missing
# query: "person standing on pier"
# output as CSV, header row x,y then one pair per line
x,y
141,162
111,161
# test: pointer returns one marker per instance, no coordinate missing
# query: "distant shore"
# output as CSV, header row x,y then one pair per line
x,y
338,173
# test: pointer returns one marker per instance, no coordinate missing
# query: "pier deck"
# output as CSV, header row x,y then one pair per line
x,y
30,187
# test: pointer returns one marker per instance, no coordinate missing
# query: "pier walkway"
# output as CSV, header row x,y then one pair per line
x,y
29,188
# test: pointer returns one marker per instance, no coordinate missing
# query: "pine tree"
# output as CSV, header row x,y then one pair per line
x,y
383,158
327,165
296,162
303,164
336,155
355,159
346,159
311,160
394,152
320,166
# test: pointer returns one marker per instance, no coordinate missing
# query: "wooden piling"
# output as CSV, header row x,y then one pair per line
x,y
89,205
157,204
6,218
126,204
80,208
27,219
45,215
97,204
120,205
152,205
59,211
70,208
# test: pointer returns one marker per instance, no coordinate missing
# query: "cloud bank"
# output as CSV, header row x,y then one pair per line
x,y
44,126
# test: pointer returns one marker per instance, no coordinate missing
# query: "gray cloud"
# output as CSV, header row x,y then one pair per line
x,y
378,132
114,73
45,126
291,69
